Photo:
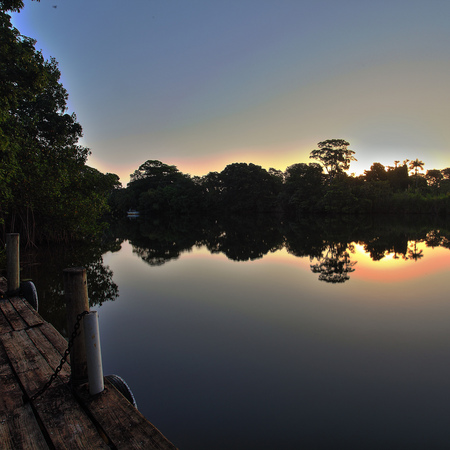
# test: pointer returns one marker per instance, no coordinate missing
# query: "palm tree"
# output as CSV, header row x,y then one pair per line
x,y
415,165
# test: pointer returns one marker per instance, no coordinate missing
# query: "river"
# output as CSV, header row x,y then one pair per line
x,y
316,334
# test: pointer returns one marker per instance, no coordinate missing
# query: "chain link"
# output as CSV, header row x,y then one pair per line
x,y
64,358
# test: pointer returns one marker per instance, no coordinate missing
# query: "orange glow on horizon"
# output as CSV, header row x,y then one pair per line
x,y
387,270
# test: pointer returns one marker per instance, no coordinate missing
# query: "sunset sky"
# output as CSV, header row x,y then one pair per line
x,y
202,83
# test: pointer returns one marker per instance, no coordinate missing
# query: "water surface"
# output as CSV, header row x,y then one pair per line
x,y
298,336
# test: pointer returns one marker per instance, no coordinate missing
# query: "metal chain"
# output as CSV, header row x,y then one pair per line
x,y
64,358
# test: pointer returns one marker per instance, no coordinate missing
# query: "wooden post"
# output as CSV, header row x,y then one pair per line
x,y
12,261
76,295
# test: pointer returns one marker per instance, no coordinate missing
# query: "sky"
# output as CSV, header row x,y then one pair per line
x,y
201,84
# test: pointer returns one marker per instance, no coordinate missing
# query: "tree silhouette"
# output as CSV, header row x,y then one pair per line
x,y
434,177
335,266
416,165
334,155
377,172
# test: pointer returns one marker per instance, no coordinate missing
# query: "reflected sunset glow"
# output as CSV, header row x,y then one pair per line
x,y
389,269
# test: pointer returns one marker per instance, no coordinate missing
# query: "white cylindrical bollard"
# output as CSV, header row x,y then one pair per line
x,y
93,353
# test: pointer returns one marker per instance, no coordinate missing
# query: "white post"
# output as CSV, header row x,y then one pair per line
x,y
93,353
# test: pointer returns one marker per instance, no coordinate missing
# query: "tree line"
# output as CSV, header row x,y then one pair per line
x,y
323,186
47,190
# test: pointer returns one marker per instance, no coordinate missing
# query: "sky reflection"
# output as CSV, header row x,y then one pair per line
x,y
261,354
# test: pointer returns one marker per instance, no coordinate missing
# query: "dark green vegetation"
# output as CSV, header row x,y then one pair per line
x,y
319,187
47,190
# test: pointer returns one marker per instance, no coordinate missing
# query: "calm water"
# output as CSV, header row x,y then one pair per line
x,y
311,335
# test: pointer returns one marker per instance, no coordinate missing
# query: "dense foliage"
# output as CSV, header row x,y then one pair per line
x,y
156,188
48,191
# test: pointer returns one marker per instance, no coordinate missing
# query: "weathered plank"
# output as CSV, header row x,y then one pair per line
x,y
55,338
17,323
26,312
5,327
123,424
25,359
20,430
10,392
48,351
18,426
64,420
5,434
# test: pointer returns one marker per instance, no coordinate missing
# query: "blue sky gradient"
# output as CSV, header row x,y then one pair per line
x,y
202,84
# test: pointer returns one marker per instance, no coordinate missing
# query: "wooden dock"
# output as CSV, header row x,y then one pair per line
x,y
60,418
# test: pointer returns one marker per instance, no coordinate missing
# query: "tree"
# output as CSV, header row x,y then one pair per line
x,y
11,5
42,163
434,177
303,187
156,170
377,172
416,165
334,155
398,178
247,187
156,187
446,173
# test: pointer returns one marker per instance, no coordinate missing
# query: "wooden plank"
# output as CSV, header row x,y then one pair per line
x,y
10,391
5,326
17,323
20,430
54,337
49,352
123,424
66,423
25,359
5,435
18,426
64,420
28,314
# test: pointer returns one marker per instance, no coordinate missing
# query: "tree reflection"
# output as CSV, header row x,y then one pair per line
x,y
383,245
302,239
45,267
437,238
249,237
413,252
334,265
245,238
159,241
